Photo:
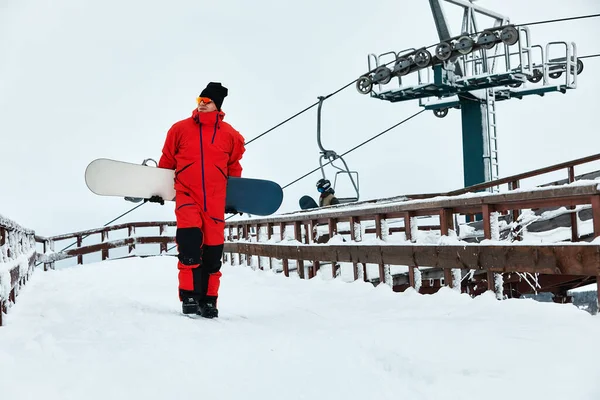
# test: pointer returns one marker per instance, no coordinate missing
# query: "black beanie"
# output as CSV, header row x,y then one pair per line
x,y
216,92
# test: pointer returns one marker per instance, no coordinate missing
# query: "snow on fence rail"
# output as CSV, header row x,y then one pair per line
x,y
512,182
17,257
104,244
427,262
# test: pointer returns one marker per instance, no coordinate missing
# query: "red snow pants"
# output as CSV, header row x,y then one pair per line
x,y
199,240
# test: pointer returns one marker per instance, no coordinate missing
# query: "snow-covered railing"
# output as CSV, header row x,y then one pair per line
x,y
104,244
427,261
17,257
511,182
514,181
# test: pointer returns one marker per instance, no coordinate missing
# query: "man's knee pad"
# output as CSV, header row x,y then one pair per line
x,y
211,258
189,244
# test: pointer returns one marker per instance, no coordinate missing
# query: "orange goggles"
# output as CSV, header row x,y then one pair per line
x,y
205,100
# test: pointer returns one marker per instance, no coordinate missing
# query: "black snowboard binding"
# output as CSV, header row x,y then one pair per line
x,y
208,310
189,305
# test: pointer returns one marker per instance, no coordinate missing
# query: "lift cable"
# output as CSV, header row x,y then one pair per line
x,y
356,147
590,56
549,21
354,81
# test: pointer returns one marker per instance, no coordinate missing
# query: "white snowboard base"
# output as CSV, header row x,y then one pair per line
x,y
118,178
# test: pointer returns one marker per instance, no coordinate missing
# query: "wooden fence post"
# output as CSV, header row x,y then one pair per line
x,y
379,235
313,234
409,236
515,213
239,237
104,235
79,257
163,245
247,239
285,263
48,246
230,239
130,233
491,277
298,237
447,224
269,235
306,240
574,219
258,239
356,237
332,224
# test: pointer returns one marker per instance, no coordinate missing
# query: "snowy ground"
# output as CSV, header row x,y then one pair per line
x,y
113,330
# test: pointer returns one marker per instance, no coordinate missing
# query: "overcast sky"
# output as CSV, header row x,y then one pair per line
x,y
81,80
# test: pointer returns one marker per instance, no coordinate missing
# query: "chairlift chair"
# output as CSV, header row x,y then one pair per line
x,y
354,183
331,156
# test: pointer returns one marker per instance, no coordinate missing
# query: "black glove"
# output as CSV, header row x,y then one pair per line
x,y
156,199
231,210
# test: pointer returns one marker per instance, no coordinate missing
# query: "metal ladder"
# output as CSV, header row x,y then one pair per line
x,y
491,142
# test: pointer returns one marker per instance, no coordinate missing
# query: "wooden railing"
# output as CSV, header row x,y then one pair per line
x,y
104,244
17,257
468,266
511,182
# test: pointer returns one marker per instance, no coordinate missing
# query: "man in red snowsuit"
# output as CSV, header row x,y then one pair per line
x,y
204,151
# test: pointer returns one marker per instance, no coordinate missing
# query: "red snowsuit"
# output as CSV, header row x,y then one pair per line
x,y
203,150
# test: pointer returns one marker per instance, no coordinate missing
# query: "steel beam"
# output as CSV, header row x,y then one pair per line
x,y
479,9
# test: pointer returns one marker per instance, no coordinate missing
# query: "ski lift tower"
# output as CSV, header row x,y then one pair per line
x,y
471,72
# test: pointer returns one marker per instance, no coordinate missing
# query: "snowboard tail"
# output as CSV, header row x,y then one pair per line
x,y
107,177
307,202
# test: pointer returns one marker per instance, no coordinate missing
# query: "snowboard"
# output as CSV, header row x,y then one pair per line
x,y
107,177
307,202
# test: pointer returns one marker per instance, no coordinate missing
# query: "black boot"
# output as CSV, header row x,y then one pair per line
x,y
189,305
208,310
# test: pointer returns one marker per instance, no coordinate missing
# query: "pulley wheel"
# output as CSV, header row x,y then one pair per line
x,y
364,85
487,40
440,112
383,75
555,75
464,45
443,51
536,77
422,58
509,35
402,66
579,66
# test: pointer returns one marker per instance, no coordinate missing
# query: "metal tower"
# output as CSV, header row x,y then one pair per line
x,y
471,72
